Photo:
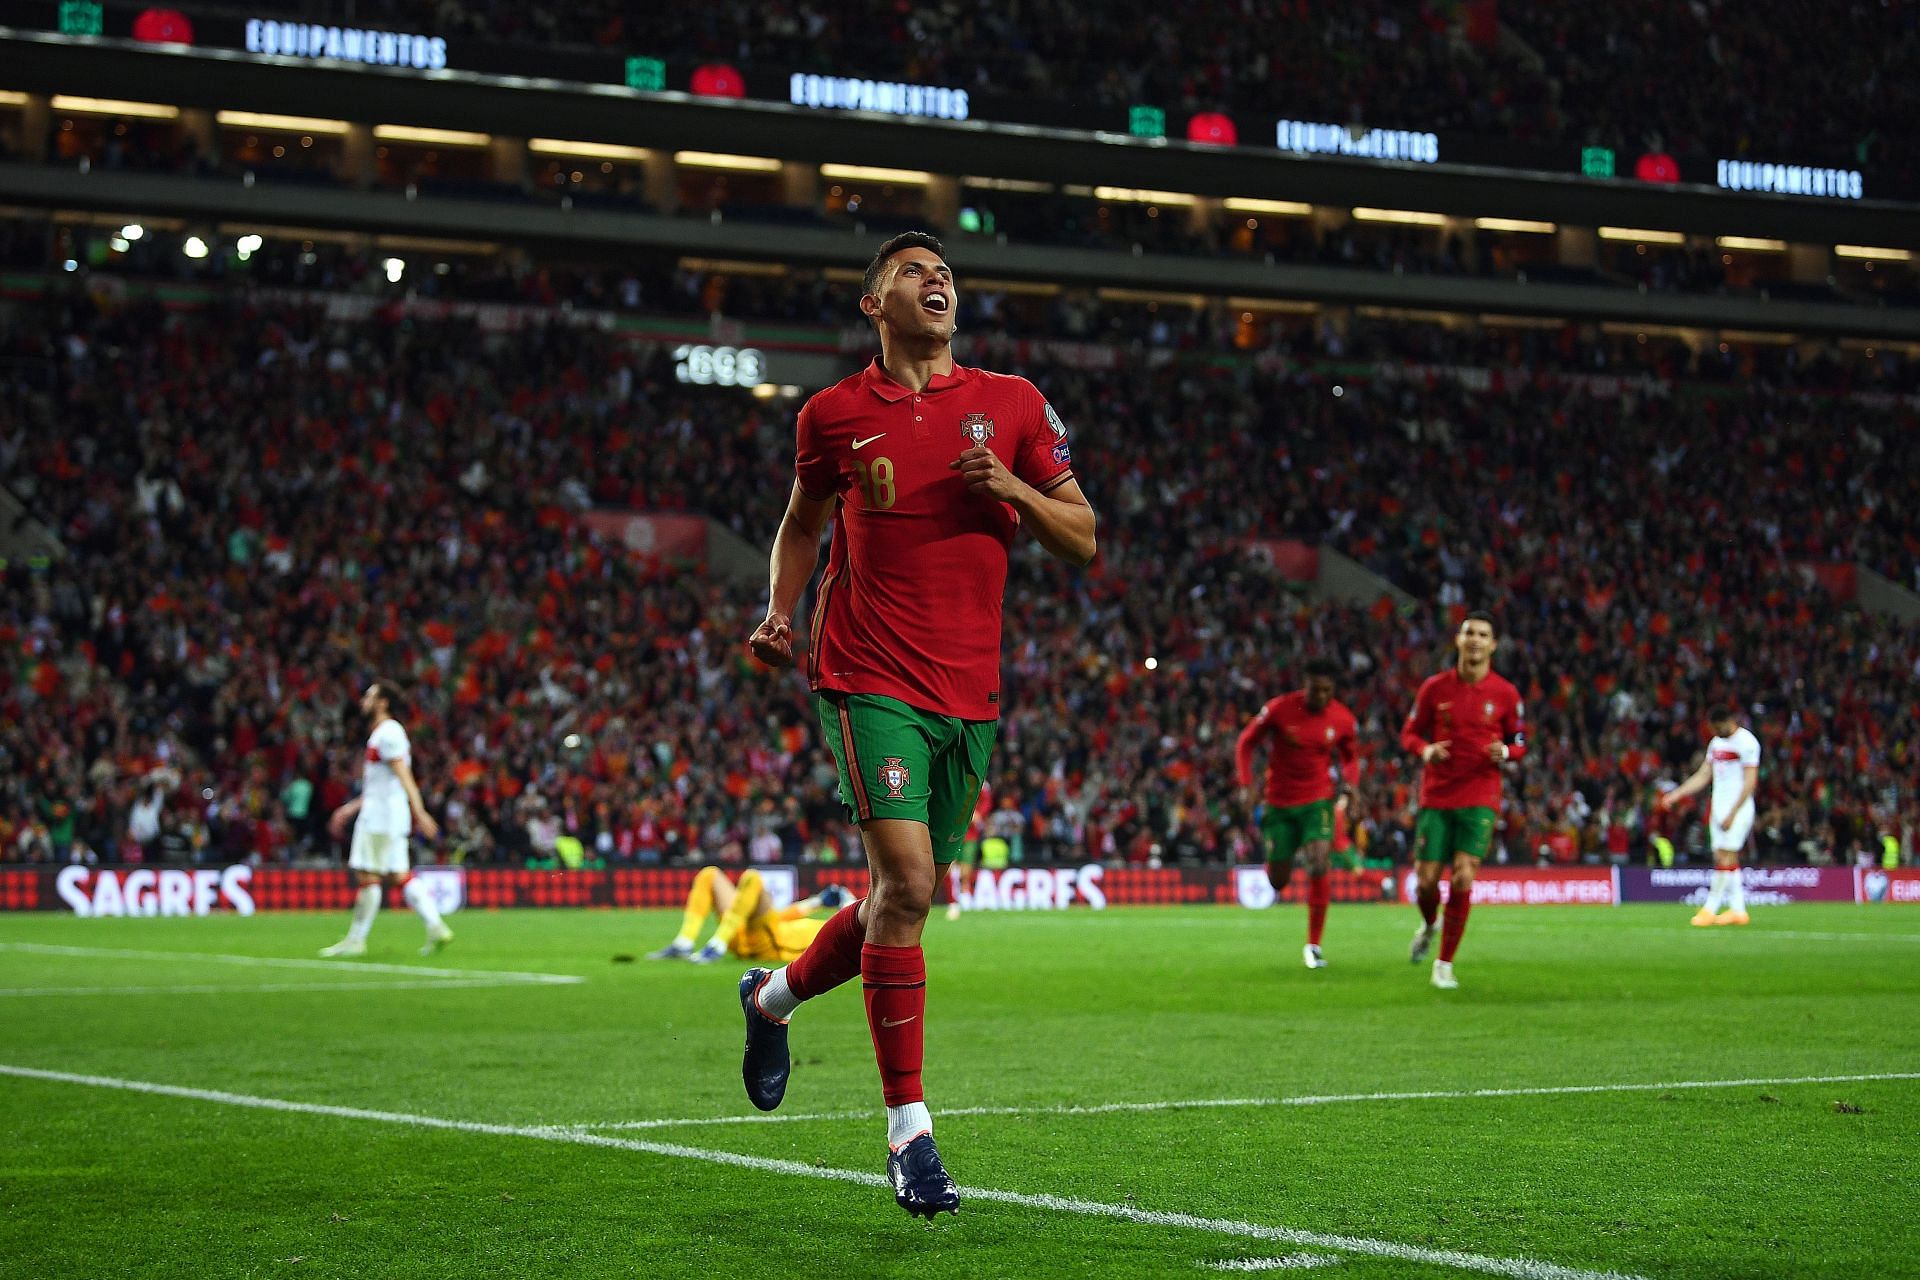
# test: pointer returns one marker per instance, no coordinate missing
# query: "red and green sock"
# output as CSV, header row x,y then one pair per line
x,y
1319,894
895,979
1458,904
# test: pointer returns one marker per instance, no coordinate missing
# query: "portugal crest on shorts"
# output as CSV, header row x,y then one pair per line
x,y
892,773
977,428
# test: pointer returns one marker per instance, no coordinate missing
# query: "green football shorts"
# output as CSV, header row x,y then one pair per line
x,y
1286,830
898,761
1438,834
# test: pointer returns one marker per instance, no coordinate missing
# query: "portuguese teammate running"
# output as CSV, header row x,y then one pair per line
x,y
927,469
1304,732
1466,723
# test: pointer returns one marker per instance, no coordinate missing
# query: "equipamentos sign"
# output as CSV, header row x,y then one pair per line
x,y
848,93
1314,138
346,44
1790,179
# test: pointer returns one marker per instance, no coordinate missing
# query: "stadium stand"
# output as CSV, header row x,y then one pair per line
x,y
1674,75
262,507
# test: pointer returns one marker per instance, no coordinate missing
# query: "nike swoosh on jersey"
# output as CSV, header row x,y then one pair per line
x,y
869,440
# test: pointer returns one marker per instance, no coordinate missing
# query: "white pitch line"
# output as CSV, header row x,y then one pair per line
x,y
1515,1268
1285,1262
216,989
287,962
1299,1100
1804,935
1820,937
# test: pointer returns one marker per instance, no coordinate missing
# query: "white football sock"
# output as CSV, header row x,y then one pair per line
x,y
366,905
904,1124
422,903
1716,891
1736,893
776,997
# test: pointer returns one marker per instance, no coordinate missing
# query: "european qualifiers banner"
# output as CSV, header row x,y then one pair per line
x,y
1535,887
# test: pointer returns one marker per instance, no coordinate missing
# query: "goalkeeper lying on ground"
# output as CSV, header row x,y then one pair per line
x,y
750,926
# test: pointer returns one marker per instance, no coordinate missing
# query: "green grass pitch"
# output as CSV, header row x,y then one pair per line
x,y
1030,1015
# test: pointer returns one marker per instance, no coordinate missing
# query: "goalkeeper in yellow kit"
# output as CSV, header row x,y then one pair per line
x,y
750,926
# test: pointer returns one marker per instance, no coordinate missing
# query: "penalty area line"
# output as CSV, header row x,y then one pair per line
x,y
267,988
1301,1100
1515,1268
289,962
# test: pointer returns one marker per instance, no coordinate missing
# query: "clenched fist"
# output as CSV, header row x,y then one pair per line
x,y
772,640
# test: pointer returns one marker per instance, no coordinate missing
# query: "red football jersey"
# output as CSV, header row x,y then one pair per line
x,y
1301,746
1469,718
909,606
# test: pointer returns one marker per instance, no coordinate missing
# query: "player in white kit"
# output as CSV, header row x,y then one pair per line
x,y
386,810
1733,766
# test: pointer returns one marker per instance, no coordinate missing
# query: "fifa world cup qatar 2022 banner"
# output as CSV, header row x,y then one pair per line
x,y
1765,886
244,890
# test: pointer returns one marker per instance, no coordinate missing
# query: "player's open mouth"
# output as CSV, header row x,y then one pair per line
x,y
938,303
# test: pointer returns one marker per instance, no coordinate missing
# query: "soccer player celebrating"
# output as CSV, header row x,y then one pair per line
x,y
386,810
1733,765
1304,732
1466,723
747,924
927,470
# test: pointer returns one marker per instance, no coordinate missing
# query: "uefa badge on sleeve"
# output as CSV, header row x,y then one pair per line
x,y
976,428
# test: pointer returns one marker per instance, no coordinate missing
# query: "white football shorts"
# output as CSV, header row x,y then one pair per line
x,y
1735,840
378,852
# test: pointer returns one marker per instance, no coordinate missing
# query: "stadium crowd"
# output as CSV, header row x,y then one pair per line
x,y
263,509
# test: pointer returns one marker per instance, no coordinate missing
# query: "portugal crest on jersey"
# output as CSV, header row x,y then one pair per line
x,y
977,428
893,774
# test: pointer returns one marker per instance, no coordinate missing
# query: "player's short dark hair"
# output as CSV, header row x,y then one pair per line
x,y
1722,714
396,700
1481,615
1322,667
870,283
